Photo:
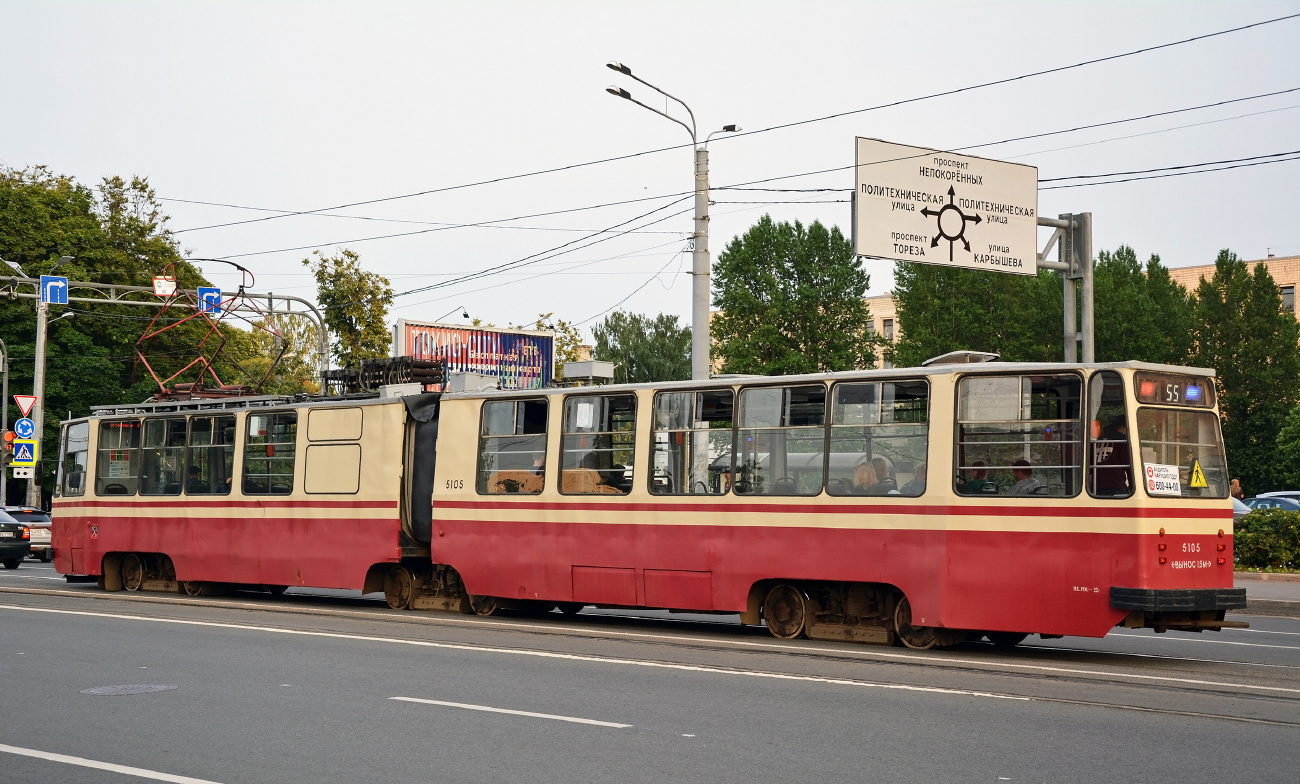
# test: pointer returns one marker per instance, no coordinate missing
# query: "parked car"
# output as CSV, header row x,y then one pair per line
x,y
1294,495
1273,502
1239,510
15,541
38,520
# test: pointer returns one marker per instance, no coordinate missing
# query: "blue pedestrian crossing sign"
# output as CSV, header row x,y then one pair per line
x,y
210,299
24,428
54,290
24,453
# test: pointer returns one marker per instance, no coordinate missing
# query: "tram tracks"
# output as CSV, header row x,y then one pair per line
x,y
828,679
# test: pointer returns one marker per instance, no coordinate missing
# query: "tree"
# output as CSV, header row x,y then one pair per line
x,y
1243,333
567,338
942,309
790,301
1140,314
643,349
355,304
1288,451
296,371
117,233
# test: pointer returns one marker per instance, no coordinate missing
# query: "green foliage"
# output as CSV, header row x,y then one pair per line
x,y
567,338
942,309
355,304
1288,451
118,234
1243,333
791,301
1268,539
644,349
1141,314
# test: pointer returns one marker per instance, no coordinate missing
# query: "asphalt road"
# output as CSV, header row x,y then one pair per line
x,y
304,688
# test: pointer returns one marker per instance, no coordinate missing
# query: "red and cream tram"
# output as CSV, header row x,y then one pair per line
x,y
923,505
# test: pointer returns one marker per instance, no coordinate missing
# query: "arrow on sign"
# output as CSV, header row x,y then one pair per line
x,y
25,403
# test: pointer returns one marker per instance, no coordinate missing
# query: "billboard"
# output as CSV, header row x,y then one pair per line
x,y
521,359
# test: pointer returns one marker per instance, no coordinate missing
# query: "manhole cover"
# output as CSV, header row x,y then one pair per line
x,y
131,688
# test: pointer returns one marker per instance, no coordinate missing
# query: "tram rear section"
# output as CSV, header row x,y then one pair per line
x,y
922,508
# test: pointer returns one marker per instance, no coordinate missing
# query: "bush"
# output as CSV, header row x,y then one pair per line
x,y
1268,539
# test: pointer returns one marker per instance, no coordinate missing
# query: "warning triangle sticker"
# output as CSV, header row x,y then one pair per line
x,y
1198,476
25,403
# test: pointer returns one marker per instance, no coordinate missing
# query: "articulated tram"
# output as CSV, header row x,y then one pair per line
x,y
923,506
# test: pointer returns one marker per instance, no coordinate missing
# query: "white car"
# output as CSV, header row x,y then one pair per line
x,y
38,520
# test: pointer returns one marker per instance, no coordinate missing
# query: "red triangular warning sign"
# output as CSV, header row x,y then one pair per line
x,y
25,403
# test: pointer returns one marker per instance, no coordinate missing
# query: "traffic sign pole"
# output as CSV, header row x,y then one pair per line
x,y
38,391
4,413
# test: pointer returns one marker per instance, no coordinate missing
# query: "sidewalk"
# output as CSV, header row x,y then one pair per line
x,y
1270,594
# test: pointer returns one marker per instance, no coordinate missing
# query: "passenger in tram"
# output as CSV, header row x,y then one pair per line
x,y
864,477
885,483
194,484
917,485
1026,483
1111,460
978,479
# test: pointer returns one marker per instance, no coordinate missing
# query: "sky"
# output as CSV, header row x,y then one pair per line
x,y
298,106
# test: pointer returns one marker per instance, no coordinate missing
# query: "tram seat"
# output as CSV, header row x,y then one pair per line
x,y
514,482
115,489
585,481
785,486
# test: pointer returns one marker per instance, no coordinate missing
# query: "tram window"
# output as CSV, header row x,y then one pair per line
x,y
512,447
76,442
210,466
692,443
269,453
781,441
1181,440
879,437
117,460
1110,460
597,450
162,456
1019,436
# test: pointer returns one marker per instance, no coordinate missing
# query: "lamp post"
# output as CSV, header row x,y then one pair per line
x,y
38,387
700,270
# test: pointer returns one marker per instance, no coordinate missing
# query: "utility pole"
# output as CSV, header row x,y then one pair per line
x,y
1073,240
38,409
701,271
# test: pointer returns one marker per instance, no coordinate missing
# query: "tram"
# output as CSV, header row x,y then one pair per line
x,y
921,506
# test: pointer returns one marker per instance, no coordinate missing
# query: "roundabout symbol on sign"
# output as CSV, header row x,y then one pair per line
x,y
24,428
951,222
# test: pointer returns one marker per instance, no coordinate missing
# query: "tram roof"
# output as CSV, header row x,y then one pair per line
x,y
214,405
882,374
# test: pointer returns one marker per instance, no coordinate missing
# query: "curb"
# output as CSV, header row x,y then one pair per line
x,y
1267,577
1276,607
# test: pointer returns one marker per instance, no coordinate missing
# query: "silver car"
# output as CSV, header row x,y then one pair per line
x,y
38,520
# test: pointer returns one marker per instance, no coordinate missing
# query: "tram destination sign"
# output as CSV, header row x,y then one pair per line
x,y
936,207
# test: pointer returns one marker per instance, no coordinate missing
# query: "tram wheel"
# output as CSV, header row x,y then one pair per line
x,y
921,638
192,588
399,585
132,572
166,569
1005,640
785,611
484,605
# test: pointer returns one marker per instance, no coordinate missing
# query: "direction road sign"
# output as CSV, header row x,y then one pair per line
x,y
24,428
54,290
25,452
25,403
935,207
210,299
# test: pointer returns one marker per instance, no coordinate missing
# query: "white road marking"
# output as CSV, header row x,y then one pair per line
x,y
1207,642
466,706
655,664
543,654
109,766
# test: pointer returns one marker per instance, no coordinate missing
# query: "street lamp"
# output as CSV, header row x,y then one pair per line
x,y
463,312
38,384
700,288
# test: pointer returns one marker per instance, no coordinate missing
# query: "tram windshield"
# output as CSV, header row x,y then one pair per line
x,y
1182,453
